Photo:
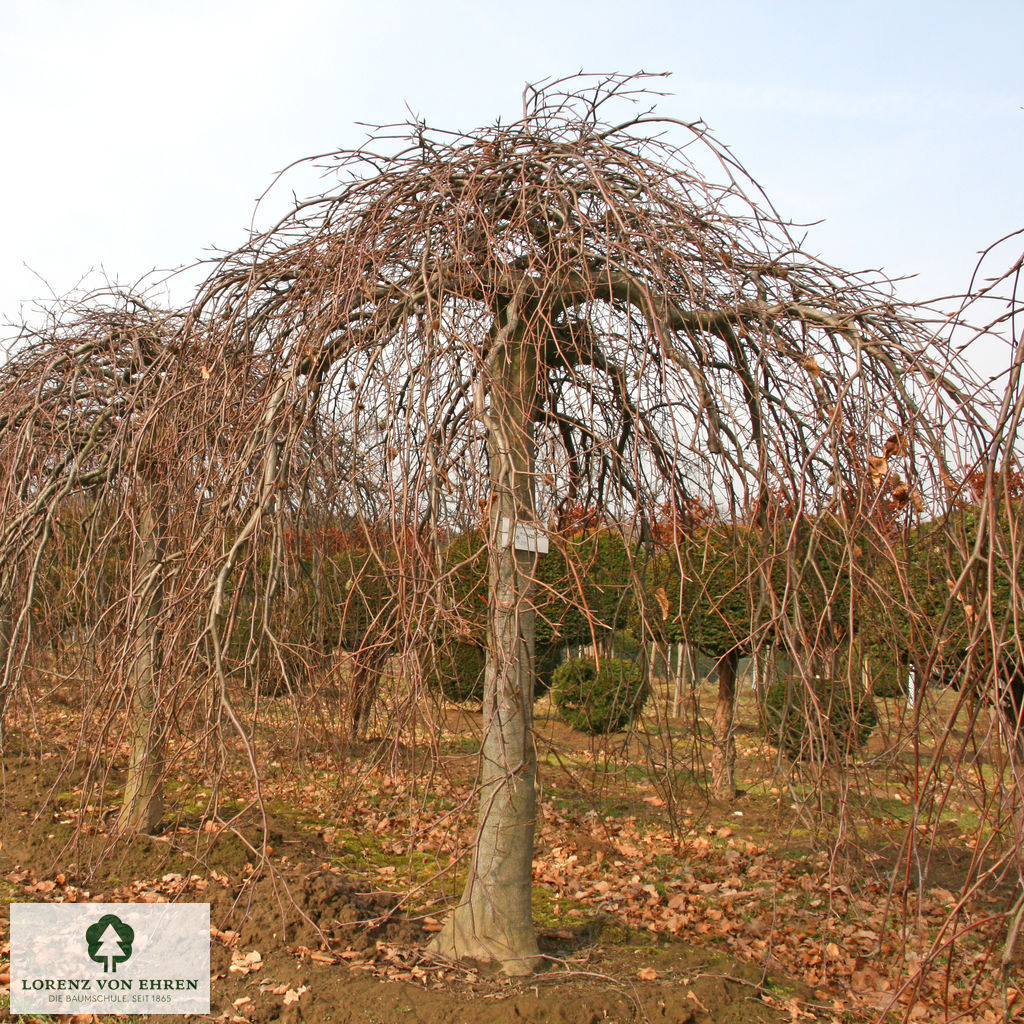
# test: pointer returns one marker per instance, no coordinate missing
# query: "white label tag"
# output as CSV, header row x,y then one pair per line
x,y
525,537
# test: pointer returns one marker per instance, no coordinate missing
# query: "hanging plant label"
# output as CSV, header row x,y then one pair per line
x,y
525,537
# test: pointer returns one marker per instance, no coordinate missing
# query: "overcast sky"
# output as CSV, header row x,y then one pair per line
x,y
138,135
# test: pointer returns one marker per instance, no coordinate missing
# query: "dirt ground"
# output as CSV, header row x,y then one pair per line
x,y
735,916
299,939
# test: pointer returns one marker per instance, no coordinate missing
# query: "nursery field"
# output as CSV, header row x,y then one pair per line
x,y
830,898
507,412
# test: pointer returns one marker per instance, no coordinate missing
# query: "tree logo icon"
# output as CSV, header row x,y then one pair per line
x,y
110,942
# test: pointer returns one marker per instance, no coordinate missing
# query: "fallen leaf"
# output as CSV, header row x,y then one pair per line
x,y
292,995
228,938
647,974
245,963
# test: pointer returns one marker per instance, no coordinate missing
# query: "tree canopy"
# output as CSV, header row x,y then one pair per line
x,y
568,310
589,307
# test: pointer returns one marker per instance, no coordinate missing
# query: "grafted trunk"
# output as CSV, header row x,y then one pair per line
x,y
723,762
142,807
494,920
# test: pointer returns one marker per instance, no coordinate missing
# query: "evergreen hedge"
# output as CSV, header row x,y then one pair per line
x,y
827,723
456,671
599,697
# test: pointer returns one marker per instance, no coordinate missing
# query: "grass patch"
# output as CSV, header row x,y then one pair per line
x,y
370,850
550,910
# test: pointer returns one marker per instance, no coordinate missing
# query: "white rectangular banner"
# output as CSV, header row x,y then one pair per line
x,y
110,958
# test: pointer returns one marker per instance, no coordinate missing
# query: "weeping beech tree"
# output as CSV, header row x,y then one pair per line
x,y
112,427
565,311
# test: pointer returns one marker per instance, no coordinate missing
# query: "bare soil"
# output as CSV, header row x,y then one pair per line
x,y
653,902
333,948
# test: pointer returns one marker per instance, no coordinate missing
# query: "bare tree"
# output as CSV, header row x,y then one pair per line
x,y
112,427
565,310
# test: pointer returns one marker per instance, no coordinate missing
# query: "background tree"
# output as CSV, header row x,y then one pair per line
x,y
565,310
713,595
112,425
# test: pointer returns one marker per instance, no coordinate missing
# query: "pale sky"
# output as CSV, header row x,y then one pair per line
x,y
138,136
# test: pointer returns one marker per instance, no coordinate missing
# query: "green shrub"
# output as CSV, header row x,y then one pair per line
x,y
456,670
827,726
601,698
549,657
889,682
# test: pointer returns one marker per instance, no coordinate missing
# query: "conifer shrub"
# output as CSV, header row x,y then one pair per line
x,y
830,725
599,698
549,657
456,671
889,682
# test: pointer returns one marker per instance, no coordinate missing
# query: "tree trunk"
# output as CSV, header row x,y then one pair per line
x,y
494,920
686,664
5,639
723,763
675,675
759,670
7,681
143,805
364,683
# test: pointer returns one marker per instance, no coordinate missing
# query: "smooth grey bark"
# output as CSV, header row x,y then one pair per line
x,y
142,806
723,761
494,920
